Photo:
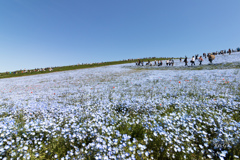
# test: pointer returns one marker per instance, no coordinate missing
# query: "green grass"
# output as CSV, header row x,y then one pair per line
x,y
71,67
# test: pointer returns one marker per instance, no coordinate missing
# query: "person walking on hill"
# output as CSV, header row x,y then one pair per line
x,y
200,60
169,62
196,56
229,51
211,58
193,61
204,55
185,60
172,61
148,63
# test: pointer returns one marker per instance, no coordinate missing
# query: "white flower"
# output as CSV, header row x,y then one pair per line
x,y
147,153
6,147
209,156
223,154
235,156
36,154
221,158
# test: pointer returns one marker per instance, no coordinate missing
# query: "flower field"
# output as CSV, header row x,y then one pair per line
x,y
115,112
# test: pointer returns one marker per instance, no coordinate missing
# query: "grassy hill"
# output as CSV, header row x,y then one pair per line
x,y
19,73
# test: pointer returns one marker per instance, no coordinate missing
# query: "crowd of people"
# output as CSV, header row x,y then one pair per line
x,y
210,56
170,62
193,59
30,71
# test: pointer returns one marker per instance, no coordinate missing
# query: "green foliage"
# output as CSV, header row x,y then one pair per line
x,y
170,109
19,119
135,130
236,116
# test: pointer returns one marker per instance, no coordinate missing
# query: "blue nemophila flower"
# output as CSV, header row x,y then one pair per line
x,y
36,154
83,112
25,147
223,153
200,146
131,148
235,156
6,147
147,153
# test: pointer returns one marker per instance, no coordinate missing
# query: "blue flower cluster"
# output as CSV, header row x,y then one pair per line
x,y
118,113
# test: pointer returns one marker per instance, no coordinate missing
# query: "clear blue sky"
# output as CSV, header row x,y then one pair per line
x,y
45,33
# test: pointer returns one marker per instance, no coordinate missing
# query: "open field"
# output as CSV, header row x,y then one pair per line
x,y
123,112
